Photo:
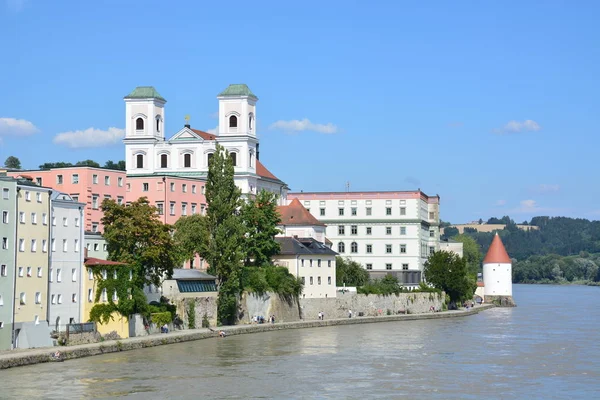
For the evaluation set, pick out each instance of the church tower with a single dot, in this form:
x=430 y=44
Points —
x=144 y=114
x=497 y=275
x=237 y=111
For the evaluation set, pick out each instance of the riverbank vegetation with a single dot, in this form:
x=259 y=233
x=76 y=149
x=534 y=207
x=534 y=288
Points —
x=556 y=250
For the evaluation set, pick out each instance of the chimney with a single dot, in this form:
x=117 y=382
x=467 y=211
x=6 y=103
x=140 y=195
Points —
x=187 y=126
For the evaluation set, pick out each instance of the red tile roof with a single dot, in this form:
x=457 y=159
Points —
x=480 y=284
x=295 y=214
x=90 y=261
x=497 y=253
x=261 y=170
x=204 y=135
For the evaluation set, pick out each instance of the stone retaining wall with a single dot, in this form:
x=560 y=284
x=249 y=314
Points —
x=36 y=356
x=284 y=310
x=371 y=305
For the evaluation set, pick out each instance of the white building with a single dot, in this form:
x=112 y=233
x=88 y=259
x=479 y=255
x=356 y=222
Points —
x=187 y=153
x=452 y=246
x=66 y=261
x=386 y=232
x=304 y=253
x=497 y=274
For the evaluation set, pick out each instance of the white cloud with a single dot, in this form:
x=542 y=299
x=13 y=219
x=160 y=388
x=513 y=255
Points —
x=304 y=125
x=214 y=115
x=500 y=203
x=16 y=127
x=528 y=204
x=517 y=126
x=90 y=137
x=214 y=131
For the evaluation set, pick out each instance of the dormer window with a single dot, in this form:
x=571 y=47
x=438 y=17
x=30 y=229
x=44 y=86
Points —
x=187 y=160
x=139 y=124
x=233 y=121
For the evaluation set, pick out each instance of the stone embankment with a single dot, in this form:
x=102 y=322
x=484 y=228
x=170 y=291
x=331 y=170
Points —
x=18 y=358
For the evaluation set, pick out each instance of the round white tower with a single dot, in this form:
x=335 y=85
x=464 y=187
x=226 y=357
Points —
x=497 y=274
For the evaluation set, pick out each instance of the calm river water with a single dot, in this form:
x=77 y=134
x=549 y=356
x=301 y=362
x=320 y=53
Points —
x=546 y=348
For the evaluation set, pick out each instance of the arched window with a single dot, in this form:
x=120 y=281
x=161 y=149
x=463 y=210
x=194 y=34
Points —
x=251 y=159
x=210 y=157
x=157 y=124
x=164 y=161
x=139 y=161
x=233 y=157
x=139 y=124
x=354 y=247
x=341 y=247
x=250 y=121
x=233 y=121
x=187 y=160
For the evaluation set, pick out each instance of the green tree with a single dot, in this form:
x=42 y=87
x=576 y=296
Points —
x=190 y=232
x=120 y=165
x=87 y=163
x=450 y=231
x=55 y=165
x=260 y=218
x=350 y=273
x=222 y=246
x=12 y=162
x=471 y=253
x=135 y=235
x=448 y=272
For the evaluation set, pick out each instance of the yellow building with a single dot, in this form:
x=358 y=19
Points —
x=32 y=266
x=104 y=276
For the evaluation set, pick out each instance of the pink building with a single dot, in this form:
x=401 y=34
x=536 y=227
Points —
x=84 y=184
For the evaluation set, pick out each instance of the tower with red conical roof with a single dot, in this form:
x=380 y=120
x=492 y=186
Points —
x=497 y=275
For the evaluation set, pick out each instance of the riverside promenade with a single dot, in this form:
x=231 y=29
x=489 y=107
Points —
x=17 y=358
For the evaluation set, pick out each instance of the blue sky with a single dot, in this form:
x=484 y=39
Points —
x=492 y=105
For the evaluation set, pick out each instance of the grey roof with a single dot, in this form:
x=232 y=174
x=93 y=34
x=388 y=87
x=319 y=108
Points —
x=189 y=274
x=293 y=245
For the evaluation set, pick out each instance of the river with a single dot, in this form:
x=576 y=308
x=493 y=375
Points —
x=547 y=348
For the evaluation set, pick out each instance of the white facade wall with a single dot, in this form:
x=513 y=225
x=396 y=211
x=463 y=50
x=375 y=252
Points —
x=307 y=231
x=452 y=247
x=408 y=226
x=65 y=296
x=319 y=281
x=497 y=279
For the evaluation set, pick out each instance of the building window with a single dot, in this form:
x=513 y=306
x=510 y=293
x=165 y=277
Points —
x=172 y=186
x=187 y=160
x=3 y=270
x=369 y=230
x=75 y=178
x=405 y=266
x=76 y=245
x=39 y=272
x=184 y=188
x=194 y=189
x=65 y=221
x=311 y=280
x=74 y=298
x=431 y=233
x=172 y=208
x=139 y=161
x=319 y=263
x=53 y=244
x=388 y=266
x=303 y=280
x=310 y=263
x=33 y=245
x=120 y=182
x=94 y=227
x=21 y=244
x=145 y=187
x=431 y=215
x=369 y=248
x=38 y=298
x=22 y=299
x=369 y=210
x=402 y=210
x=431 y=250
x=27 y=196
x=95 y=179
x=403 y=230
x=353 y=229
x=388 y=230
x=353 y=247
x=90 y=295
x=75 y=197
x=388 y=249
x=233 y=157
x=58 y=275
x=341 y=247
x=250 y=121
x=5 y=193
x=104 y=274
x=161 y=208
x=29 y=272
x=233 y=121
x=329 y=263
x=369 y=266
x=402 y=248
x=22 y=217
x=139 y=124
x=21 y=272
x=341 y=230
x=59 y=299
x=65 y=245
x=341 y=212
x=183 y=208
x=4 y=243
x=114 y=296
x=59 y=179
x=76 y=221
x=388 y=211
x=38 y=197
x=302 y=263
x=322 y=212
x=107 y=180
x=5 y=217
x=209 y=158
x=318 y=280
x=44 y=245
x=95 y=201
x=353 y=211
x=193 y=208
x=90 y=274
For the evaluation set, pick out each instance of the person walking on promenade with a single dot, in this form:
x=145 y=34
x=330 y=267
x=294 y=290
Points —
x=349 y=313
